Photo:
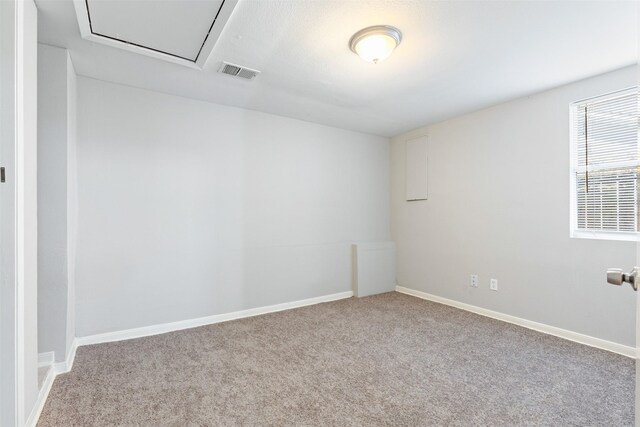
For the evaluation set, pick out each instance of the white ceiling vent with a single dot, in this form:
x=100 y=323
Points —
x=238 y=71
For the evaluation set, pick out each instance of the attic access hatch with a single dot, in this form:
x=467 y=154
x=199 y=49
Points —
x=179 y=31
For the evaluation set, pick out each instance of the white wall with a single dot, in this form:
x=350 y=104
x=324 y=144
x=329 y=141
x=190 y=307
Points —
x=499 y=207
x=56 y=160
x=188 y=209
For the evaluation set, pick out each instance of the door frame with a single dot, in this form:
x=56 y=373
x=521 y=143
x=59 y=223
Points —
x=637 y=388
x=11 y=304
x=18 y=32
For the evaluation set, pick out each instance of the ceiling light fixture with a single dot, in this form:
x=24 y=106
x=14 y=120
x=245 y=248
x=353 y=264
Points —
x=374 y=44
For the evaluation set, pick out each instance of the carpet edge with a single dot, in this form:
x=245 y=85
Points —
x=588 y=340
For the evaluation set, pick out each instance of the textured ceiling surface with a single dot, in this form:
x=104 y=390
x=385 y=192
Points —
x=455 y=56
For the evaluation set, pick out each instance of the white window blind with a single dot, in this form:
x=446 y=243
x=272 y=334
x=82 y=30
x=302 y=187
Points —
x=606 y=163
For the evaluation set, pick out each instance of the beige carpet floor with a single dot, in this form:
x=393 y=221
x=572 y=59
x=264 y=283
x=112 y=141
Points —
x=386 y=360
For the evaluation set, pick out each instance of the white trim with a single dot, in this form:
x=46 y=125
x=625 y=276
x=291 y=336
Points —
x=67 y=365
x=55 y=369
x=83 y=24
x=223 y=16
x=34 y=416
x=574 y=231
x=612 y=94
x=64 y=367
x=212 y=38
x=604 y=235
x=85 y=32
x=202 y=321
x=45 y=359
x=540 y=327
x=19 y=177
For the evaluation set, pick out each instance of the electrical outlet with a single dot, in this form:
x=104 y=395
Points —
x=493 y=285
x=474 y=281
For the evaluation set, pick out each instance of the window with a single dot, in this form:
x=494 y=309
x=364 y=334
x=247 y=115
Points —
x=605 y=166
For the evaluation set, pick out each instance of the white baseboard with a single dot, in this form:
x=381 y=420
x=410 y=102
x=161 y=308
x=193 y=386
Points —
x=45 y=359
x=55 y=369
x=44 y=390
x=202 y=321
x=540 y=327
x=64 y=367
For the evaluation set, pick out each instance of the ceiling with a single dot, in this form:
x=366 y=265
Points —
x=455 y=56
x=121 y=20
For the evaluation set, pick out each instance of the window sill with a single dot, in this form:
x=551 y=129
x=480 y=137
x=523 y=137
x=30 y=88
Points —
x=605 y=235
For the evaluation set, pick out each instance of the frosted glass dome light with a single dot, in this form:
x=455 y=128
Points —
x=374 y=44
